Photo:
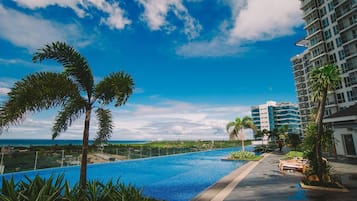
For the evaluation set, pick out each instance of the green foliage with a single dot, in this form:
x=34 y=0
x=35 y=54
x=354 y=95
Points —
x=293 y=154
x=266 y=147
x=294 y=140
x=73 y=90
x=243 y=155
x=105 y=125
x=55 y=189
x=309 y=146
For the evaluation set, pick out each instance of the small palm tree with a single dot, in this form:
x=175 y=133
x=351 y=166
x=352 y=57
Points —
x=235 y=128
x=323 y=80
x=73 y=90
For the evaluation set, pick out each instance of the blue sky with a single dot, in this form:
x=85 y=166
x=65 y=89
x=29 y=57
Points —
x=197 y=64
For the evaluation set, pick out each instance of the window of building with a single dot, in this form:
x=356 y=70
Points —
x=330 y=6
x=347 y=81
x=352 y=19
x=338 y=42
x=340 y=98
x=353 y=77
x=325 y=23
x=345 y=67
x=323 y=11
x=328 y=34
x=341 y=55
x=351 y=96
x=333 y=58
x=335 y=30
x=354 y=34
x=327 y=112
x=311 y=30
x=313 y=41
x=317 y=63
x=330 y=46
x=339 y=85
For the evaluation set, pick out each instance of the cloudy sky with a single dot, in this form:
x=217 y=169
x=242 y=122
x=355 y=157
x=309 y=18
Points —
x=197 y=64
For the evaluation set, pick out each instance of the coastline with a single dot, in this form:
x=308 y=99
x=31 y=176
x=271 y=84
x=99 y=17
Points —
x=49 y=142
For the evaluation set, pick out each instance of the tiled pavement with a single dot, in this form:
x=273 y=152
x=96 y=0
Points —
x=263 y=181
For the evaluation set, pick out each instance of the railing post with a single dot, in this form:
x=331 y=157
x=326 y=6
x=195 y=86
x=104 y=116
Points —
x=35 y=166
x=62 y=158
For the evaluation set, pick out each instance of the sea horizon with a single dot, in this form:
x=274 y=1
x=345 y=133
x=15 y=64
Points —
x=27 y=142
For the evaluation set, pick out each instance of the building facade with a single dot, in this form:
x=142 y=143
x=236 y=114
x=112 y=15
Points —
x=273 y=115
x=344 y=125
x=331 y=37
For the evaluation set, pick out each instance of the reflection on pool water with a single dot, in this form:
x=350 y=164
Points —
x=173 y=178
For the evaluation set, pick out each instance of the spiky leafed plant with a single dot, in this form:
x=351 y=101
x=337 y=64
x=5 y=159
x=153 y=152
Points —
x=73 y=90
x=323 y=80
x=235 y=128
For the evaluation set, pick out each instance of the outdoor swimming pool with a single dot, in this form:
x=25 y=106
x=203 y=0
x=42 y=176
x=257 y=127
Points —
x=173 y=178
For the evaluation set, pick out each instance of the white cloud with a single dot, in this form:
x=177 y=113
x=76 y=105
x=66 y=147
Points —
x=216 y=47
x=34 y=4
x=252 y=20
x=115 y=18
x=156 y=13
x=5 y=85
x=265 y=19
x=33 y=32
x=168 y=120
x=4 y=91
x=20 y=63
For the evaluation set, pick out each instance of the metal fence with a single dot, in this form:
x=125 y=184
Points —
x=14 y=160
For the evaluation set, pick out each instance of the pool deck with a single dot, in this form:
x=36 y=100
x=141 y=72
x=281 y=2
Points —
x=262 y=180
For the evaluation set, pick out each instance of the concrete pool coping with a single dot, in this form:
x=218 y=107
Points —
x=225 y=185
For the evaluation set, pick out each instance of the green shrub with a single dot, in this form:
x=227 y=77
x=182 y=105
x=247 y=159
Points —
x=243 y=155
x=293 y=154
x=41 y=189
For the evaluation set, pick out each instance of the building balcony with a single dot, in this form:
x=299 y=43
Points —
x=317 y=44
x=338 y=3
x=351 y=55
x=313 y=34
x=298 y=67
x=345 y=27
x=306 y=3
x=346 y=8
x=308 y=11
x=322 y=54
x=348 y=40
x=309 y=24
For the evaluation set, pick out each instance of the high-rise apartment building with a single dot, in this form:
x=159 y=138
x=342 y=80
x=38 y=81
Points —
x=274 y=115
x=331 y=28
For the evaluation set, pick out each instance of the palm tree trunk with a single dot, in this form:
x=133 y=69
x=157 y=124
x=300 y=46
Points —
x=83 y=174
x=319 y=117
x=242 y=139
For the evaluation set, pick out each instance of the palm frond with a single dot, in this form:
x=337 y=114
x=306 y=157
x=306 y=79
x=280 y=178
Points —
x=229 y=125
x=72 y=110
x=105 y=125
x=322 y=79
x=117 y=86
x=34 y=93
x=74 y=64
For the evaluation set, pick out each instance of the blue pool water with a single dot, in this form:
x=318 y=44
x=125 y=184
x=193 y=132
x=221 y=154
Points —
x=173 y=178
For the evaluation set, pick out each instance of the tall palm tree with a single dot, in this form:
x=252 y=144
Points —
x=235 y=128
x=323 y=80
x=73 y=90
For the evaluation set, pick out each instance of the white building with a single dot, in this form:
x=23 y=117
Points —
x=274 y=115
x=344 y=124
x=331 y=37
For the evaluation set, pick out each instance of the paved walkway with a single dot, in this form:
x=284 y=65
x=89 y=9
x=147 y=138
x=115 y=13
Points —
x=263 y=181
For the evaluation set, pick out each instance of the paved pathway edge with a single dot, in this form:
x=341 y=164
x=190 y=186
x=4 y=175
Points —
x=222 y=188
